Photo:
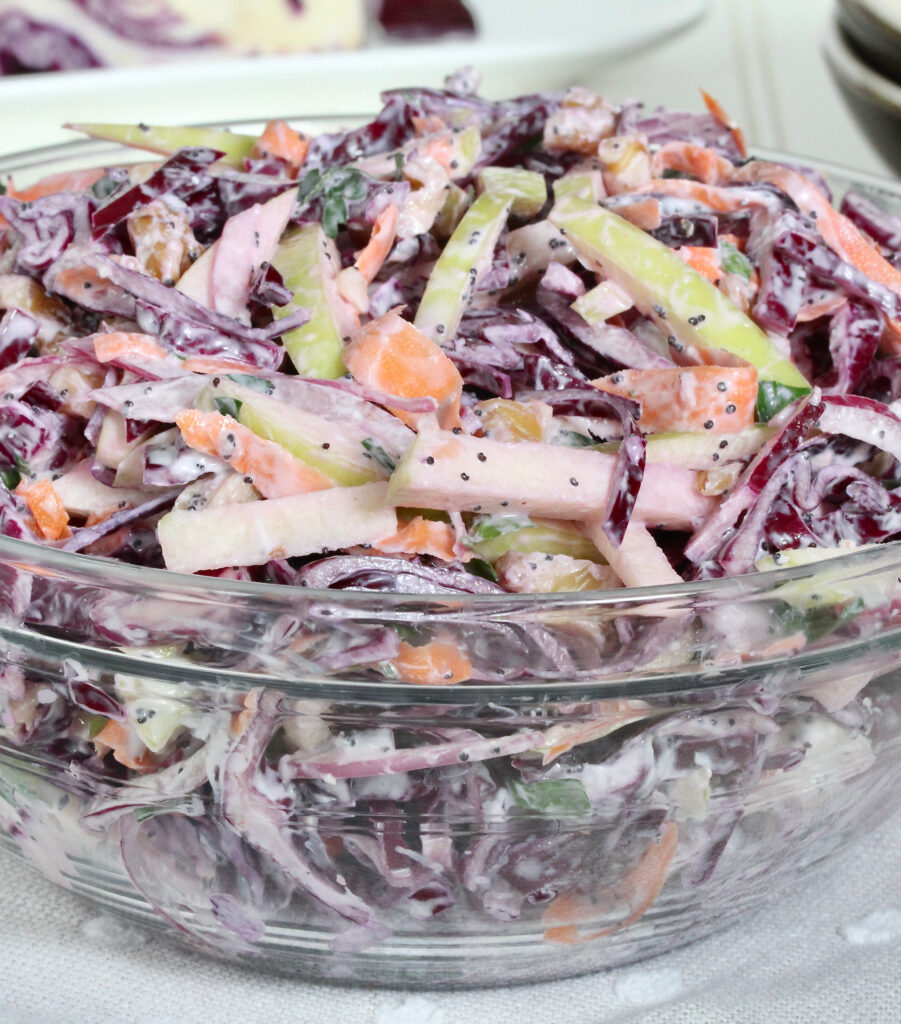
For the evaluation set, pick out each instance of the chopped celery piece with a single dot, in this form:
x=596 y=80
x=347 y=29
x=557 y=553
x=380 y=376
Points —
x=166 y=140
x=527 y=188
x=309 y=263
x=455 y=275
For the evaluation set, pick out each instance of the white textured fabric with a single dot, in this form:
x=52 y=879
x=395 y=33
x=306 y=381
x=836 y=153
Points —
x=830 y=951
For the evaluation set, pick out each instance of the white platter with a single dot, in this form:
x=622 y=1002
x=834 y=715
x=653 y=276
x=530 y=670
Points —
x=522 y=46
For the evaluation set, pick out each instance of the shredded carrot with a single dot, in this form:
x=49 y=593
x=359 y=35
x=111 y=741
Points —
x=705 y=259
x=108 y=347
x=65 y=181
x=638 y=889
x=615 y=713
x=701 y=161
x=723 y=118
x=127 y=749
x=644 y=213
x=215 y=364
x=47 y=508
x=274 y=472
x=436 y=663
x=421 y=536
x=392 y=355
x=700 y=398
x=280 y=140
x=370 y=258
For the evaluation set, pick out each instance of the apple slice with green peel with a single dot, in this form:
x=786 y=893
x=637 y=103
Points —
x=528 y=188
x=167 y=140
x=456 y=273
x=690 y=310
x=255 y=532
x=700 y=450
x=309 y=263
x=342 y=451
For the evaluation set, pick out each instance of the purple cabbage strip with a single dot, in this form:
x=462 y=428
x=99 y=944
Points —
x=376 y=572
x=84 y=535
x=883 y=227
x=617 y=344
x=31 y=438
x=798 y=421
x=854 y=333
x=182 y=175
x=263 y=822
x=18 y=331
x=188 y=320
x=48 y=226
x=661 y=126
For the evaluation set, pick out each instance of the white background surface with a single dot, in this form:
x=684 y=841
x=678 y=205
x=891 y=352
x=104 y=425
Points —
x=829 y=952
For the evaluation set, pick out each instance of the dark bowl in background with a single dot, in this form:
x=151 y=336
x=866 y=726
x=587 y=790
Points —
x=873 y=99
x=875 y=34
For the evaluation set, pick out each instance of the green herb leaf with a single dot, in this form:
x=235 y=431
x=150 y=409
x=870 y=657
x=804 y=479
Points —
x=248 y=380
x=2 y=189
x=398 y=166
x=479 y=567
x=374 y=449
x=104 y=187
x=310 y=186
x=22 y=466
x=672 y=172
x=560 y=797
x=575 y=439
x=735 y=262
x=773 y=397
x=10 y=478
x=227 y=406
x=489 y=527
x=334 y=214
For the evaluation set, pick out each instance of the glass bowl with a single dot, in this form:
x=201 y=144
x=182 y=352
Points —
x=623 y=772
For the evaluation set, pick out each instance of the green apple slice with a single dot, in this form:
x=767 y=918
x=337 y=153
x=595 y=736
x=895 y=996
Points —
x=456 y=273
x=309 y=262
x=167 y=140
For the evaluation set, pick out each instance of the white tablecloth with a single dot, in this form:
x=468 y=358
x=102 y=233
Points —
x=828 y=953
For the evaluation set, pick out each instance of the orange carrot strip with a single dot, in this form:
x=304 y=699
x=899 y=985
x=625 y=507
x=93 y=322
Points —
x=436 y=663
x=392 y=355
x=65 y=181
x=723 y=118
x=638 y=889
x=280 y=140
x=45 y=504
x=701 y=161
x=108 y=347
x=688 y=397
x=370 y=258
x=274 y=471
x=645 y=213
x=615 y=713
x=127 y=749
x=215 y=364
x=421 y=536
